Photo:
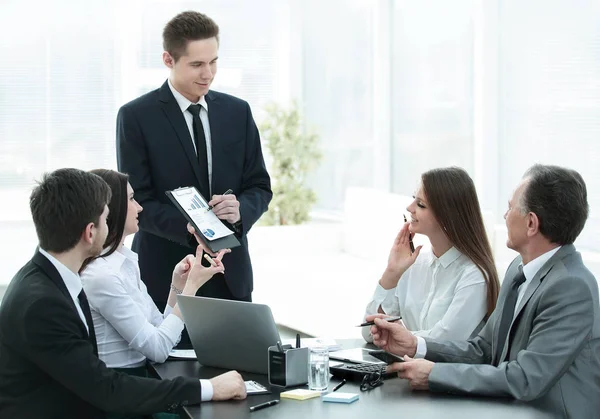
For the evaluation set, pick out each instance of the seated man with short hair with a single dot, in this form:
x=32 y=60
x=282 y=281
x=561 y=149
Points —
x=49 y=365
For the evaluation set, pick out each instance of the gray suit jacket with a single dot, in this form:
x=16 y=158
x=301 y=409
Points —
x=554 y=354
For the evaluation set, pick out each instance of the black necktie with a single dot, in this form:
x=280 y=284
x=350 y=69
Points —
x=508 y=311
x=200 y=141
x=87 y=313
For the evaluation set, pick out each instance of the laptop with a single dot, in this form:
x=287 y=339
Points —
x=229 y=334
x=356 y=355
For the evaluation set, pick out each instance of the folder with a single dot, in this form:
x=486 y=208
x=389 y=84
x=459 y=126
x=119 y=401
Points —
x=210 y=229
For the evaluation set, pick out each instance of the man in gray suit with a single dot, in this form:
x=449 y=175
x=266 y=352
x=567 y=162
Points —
x=542 y=343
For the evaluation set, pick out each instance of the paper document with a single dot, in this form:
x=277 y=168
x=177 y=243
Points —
x=331 y=344
x=196 y=207
x=183 y=353
x=252 y=387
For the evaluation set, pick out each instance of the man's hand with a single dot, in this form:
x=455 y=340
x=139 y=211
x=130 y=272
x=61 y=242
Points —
x=393 y=337
x=416 y=371
x=226 y=207
x=228 y=386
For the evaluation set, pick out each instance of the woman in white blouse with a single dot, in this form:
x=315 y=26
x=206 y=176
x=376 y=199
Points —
x=449 y=291
x=129 y=327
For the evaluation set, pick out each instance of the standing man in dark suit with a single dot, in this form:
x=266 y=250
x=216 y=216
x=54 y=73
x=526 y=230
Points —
x=49 y=365
x=542 y=342
x=184 y=134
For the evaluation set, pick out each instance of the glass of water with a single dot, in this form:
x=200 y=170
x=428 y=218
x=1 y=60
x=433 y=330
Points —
x=318 y=368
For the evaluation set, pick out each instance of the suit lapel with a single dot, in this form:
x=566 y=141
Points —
x=176 y=119
x=214 y=110
x=51 y=272
x=531 y=289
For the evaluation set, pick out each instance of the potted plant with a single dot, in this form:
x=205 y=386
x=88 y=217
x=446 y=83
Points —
x=293 y=153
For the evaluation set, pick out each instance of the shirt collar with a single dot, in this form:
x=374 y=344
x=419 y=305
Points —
x=71 y=279
x=183 y=102
x=447 y=258
x=118 y=257
x=532 y=268
x=128 y=253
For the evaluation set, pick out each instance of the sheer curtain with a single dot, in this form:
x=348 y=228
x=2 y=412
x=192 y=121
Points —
x=549 y=94
x=69 y=66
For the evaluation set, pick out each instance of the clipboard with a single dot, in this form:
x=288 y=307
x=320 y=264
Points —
x=193 y=207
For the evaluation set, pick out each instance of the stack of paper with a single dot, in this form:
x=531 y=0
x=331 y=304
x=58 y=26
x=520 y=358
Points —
x=252 y=387
x=299 y=394
x=330 y=343
x=182 y=353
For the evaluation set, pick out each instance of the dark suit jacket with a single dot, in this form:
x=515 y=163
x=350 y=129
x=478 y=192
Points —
x=48 y=368
x=155 y=148
x=552 y=356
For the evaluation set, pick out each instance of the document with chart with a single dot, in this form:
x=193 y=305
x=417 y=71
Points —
x=194 y=207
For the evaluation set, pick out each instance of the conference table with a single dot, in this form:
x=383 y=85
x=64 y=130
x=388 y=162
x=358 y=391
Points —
x=393 y=399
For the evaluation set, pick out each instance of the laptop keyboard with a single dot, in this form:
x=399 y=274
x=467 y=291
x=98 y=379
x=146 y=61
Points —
x=356 y=372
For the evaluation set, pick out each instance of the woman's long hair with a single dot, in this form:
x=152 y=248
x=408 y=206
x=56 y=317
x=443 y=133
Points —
x=453 y=199
x=117 y=211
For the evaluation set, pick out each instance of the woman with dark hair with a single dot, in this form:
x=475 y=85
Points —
x=129 y=327
x=448 y=292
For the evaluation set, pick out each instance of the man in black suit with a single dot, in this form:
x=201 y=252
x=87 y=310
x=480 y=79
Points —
x=49 y=365
x=184 y=134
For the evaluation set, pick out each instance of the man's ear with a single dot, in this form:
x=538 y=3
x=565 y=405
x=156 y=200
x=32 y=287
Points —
x=533 y=224
x=88 y=234
x=168 y=60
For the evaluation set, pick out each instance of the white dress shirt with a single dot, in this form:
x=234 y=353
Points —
x=183 y=105
x=444 y=298
x=129 y=326
x=529 y=270
x=72 y=282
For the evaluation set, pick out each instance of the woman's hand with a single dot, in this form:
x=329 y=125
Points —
x=200 y=242
x=181 y=271
x=199 y=275
x=400 y=259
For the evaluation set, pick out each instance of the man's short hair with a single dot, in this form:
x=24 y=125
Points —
x=558 y=196
x=185 y=27
x=63 y=204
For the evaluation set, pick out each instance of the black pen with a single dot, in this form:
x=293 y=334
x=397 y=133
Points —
x=372 y=322
x=227 y=192
x=336 y=388
x=279 y=346
x=297 y=340
x=263 y=405
x=412 y=246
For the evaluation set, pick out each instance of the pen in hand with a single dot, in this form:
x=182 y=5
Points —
x=412 y=246
x=387 y=319
x=209 y=259
x=227 y=192
x=336 y=388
